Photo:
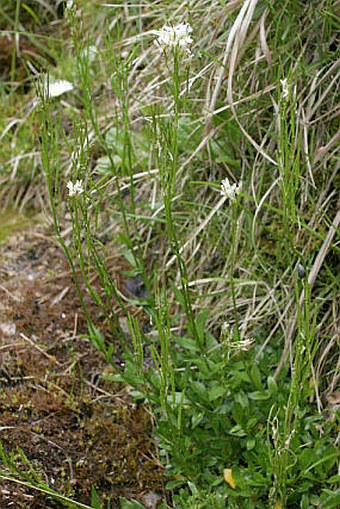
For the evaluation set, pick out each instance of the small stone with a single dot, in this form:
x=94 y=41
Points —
x=151 y=500
x=8 y=329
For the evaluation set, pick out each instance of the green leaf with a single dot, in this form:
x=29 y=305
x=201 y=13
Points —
x=259 y=395
x=252 y=422
x=330 y=499
x=130 y=257
x=334 y=479
x=238 y=431
x=202 y=367
x=104 y=163
x=95 y=502
x=130 y=504
x=272 y=385
x=225 y=158
x=256 y=479
x=242 y=399
x=196 y=419
x=240 y=376
x=96 y=337
x=238 y=414
x=200 y=324
x=126 y=240
x=304 y=504
x=170 y=485
x=114 y=378
x=251 y=444
x=329 y=457
x=114 y=139
x=255 y=376
x=178 y=294
x=210 y=340
x=200 y=391
x=187 y=343
x=217 y=392
x=31 y=13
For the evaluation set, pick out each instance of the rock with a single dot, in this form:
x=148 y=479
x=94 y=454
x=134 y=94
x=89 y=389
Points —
x=8 y=329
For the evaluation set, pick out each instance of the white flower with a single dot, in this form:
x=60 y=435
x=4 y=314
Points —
x=230 y=190
x=75 y=189
x=244 y=345
x=284 y=89
x=177 y=37
x=56 y=88
x=69 y=4
x=288 y=440
x=225 y=328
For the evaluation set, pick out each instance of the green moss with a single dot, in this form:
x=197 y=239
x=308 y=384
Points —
x=11 y=221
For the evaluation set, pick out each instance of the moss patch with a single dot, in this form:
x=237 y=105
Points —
x=75 y=429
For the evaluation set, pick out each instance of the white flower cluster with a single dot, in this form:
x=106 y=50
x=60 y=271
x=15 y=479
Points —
x=240 y=345
x=75 y=189
x=55 y=88
x=174 y=37
x=230 y=190
x=284 y=89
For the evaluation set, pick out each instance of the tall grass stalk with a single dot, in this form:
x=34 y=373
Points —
x=166 y=141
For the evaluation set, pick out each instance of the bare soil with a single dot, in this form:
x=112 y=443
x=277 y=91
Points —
x=74 y=428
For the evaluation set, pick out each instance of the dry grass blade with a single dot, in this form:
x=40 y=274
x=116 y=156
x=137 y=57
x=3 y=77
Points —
x=263 y=40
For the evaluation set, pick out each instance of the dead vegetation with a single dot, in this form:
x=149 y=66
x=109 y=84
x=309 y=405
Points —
x=74 y=429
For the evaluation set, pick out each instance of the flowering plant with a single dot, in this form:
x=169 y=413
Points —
x=75 y=189
x=230 y=190
x=174 y=37
x=55 y=88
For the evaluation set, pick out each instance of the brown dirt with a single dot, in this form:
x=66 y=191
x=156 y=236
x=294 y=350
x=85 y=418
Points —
x=75 y=429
